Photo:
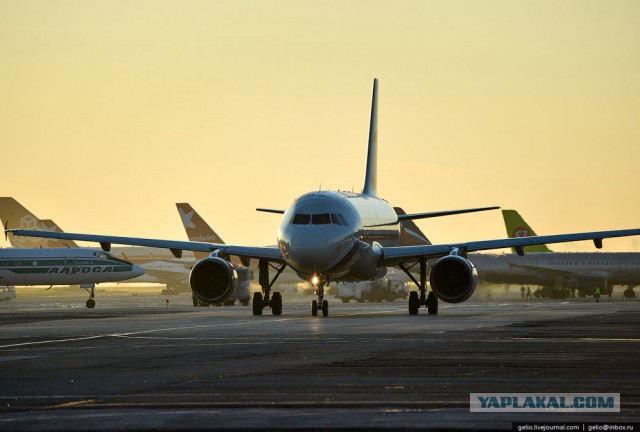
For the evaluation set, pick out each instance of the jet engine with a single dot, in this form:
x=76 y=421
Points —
x=213 y=280
x=453 y=278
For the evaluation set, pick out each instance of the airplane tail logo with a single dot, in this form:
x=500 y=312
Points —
x=196 y=227
x=16 y=216
x=517 y=227
x=521 y=232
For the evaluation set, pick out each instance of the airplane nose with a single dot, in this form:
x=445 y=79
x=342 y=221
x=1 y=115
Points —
x=314 y=254
x=136 y=271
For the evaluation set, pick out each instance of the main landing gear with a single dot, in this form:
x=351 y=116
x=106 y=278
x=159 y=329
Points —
x=264 y=299
x=321 y=303
x=420 y=297
x=91 y=303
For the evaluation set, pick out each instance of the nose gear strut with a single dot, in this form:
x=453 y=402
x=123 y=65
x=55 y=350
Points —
x=321 y=302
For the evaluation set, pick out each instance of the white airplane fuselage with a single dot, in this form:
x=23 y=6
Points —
x=62 y=266
x=336 y=235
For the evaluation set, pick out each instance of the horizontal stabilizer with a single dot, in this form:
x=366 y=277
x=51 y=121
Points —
x=443 y=213
x=270 y=210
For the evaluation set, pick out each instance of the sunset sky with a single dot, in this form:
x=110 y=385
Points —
x=112 y=111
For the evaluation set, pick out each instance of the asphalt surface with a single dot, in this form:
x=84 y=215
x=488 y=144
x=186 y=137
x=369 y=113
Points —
x=136 y=363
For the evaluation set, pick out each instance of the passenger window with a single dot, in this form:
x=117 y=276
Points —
x=301 y=219
x=321 y=219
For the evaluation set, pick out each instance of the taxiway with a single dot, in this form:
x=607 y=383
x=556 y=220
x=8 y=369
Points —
x=137 y=363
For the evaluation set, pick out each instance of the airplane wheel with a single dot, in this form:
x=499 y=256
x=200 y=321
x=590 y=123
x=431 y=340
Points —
x=276 y=303
x=414 y=303
x=258 y=303
x=314 y=308
x=325 y=308
x=91 y=303
x=432 y=303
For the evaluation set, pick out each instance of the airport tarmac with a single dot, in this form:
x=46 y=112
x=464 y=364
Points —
x=136 y=363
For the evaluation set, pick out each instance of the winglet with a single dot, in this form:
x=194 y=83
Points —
x=371 y=176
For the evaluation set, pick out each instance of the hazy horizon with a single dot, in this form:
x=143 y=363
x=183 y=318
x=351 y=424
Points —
x=113 y=112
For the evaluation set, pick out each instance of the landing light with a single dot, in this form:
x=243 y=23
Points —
x=314 y=280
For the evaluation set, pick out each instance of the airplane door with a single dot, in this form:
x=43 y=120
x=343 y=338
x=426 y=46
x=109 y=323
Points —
x=623 y=266
x=70 y=263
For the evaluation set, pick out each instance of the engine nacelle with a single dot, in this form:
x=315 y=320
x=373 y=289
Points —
x=213 y=280
x=453 y=278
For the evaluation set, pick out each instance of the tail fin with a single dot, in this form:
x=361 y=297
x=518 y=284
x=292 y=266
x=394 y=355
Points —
x=410 y=234
x=517 y=227
x=197 y=229
x=49 y=225
x=15 y=215
x=371 y=175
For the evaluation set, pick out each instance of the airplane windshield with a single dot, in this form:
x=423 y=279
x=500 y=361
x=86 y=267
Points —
x=110 y=257
x=301 y=219
x=319 y=219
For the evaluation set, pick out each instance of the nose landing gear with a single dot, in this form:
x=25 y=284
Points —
x=91 y=303
x=321 y=303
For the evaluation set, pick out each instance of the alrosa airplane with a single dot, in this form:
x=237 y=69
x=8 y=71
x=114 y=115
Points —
x=340 y=236
x=63 y=266
x=159 y=266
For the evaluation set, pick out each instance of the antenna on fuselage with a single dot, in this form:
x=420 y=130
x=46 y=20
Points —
x=371 y=177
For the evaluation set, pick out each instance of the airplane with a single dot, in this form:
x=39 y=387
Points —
x=159 y=266
x=559 y=272
x=63 y=266
x=332 y=236
x=198 y=229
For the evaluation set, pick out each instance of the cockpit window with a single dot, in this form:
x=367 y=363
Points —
x=301 y=219
x=338 y=219
x=110 y=257
x=320 y=219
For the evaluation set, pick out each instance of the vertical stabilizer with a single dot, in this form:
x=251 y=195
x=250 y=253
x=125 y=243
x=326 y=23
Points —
x=49 y=225
x=410 y=234
x=199 y=230
x=15 y=215
x=196 y=227
x=517 y=227
x=371 y=175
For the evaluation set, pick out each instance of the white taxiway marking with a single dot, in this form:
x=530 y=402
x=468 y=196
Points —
x=142 y=332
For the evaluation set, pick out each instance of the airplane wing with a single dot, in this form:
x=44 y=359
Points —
x=396 y=255
x=176 y=246
x=389 y=255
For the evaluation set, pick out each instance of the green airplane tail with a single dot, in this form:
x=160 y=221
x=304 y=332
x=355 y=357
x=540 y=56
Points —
x=517 y=227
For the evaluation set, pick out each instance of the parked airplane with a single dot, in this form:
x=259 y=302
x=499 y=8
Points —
x=559 y=272
x=159 y=266
x=63 y=266
x=340 y=236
